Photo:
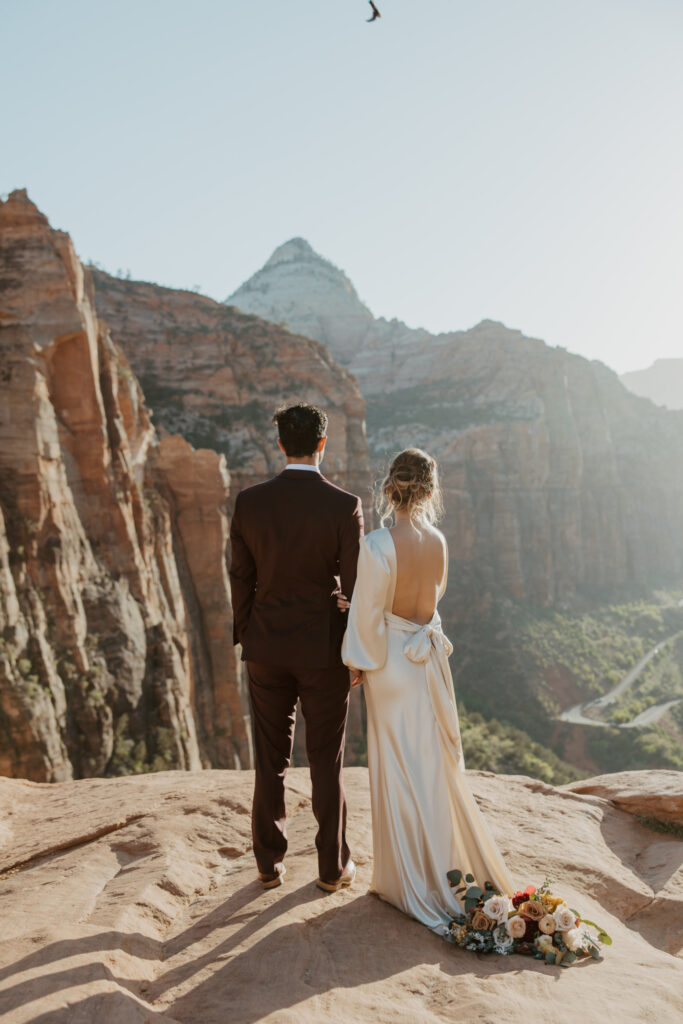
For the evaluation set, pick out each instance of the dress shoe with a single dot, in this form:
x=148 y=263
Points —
x=277 y=878
x=343 y=882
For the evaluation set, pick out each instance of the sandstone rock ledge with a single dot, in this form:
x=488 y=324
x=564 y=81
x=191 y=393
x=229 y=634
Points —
x=134 y=899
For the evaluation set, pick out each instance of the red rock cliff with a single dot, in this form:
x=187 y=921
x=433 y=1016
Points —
x=216 y=375
x=111 y=615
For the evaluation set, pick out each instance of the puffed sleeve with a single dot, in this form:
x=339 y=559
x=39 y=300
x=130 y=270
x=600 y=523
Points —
x=365 y=643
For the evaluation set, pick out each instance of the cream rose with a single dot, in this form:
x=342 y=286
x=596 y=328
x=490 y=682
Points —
x=564 y=918
x=516 y=927
x=547 y=924
x=533 y=909
x=497 y=907
x=573 y=939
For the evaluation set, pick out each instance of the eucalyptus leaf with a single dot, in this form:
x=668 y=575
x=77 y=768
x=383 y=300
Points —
x=474 y=892
x=603 y=936
x=454 y=877
x=469 y=878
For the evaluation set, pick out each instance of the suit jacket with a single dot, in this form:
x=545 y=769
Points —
x=294 y=540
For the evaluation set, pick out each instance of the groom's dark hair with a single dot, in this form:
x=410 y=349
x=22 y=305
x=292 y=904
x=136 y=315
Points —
x=301 y=427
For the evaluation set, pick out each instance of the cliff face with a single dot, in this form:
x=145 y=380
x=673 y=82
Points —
x=110 y=655
x=216 y=376
x=557 y=480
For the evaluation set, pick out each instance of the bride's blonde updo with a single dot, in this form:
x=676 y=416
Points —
x=412 y=483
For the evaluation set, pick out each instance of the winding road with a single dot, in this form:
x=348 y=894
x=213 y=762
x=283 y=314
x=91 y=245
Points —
x=576 y=714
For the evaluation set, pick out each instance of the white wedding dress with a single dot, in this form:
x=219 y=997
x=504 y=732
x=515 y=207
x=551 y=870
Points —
x=425 y=820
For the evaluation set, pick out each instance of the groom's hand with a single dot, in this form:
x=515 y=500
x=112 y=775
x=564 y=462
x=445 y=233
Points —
x=343 y=603
x=356 y=676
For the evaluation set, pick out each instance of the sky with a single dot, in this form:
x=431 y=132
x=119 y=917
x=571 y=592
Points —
x=518 y=160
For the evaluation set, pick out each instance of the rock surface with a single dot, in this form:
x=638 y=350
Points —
x=110 y=603
x=135 y=900
x=631 y=792
x=662 y=382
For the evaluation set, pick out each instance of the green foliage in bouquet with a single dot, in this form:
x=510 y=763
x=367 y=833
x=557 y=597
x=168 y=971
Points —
x=532 y=921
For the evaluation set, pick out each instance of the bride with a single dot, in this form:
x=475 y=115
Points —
x=424 y=817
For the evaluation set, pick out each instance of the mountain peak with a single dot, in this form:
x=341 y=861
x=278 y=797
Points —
x=294 y=250
x=299 y=288
x=20 y=201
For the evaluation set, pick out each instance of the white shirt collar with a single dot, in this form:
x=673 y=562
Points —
x=302 y=465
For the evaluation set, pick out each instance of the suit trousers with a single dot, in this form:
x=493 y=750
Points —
x=324 y=695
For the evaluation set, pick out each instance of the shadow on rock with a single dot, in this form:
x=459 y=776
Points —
x=358 y=943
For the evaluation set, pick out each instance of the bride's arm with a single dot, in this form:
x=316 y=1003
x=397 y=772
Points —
x=364 y=647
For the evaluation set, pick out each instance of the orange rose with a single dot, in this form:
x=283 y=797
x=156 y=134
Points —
x=482 y=922
x=533 y=909
x=547 y=924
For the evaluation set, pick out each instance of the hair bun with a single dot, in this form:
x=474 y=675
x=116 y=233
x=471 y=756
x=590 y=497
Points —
x=412 y=483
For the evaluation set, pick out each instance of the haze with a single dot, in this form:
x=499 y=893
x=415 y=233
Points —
x=519 y=161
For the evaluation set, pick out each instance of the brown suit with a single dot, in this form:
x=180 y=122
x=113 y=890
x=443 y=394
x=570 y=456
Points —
x=294 y=540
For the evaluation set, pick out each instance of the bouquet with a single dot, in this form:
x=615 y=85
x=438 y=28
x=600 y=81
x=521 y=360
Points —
x=533 y=922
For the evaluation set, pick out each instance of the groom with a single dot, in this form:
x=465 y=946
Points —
x=294 y=542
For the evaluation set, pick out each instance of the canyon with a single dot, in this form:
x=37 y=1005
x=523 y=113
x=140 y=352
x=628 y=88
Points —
x=557 y=480
x=133 y=413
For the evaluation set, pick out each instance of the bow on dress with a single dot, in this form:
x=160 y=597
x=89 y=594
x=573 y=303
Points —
x=428 y=644
x=418 y=647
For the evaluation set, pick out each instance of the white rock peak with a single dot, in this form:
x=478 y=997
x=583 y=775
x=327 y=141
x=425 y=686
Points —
x=306 y=293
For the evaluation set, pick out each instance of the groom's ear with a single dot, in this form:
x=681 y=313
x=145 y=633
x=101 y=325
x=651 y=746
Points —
x=281 y=446
x=321 y=444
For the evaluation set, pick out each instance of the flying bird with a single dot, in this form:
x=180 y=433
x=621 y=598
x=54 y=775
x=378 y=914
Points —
x=375 y=12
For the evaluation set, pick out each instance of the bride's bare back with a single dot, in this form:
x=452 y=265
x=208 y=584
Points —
x=421 y=569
